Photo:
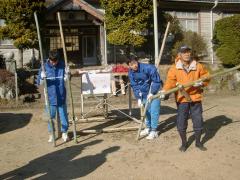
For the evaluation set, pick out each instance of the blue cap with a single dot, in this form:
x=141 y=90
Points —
x=184 y=48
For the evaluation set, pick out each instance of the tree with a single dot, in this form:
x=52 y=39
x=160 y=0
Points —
x=227 y=40
x=130 y=23
x=19 y=22
x=126 y=21
x=192 y=39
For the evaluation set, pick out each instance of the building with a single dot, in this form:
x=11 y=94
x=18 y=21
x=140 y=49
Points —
x=200 y=15
x=85 y=36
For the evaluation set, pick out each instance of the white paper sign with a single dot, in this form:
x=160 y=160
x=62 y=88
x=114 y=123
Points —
x=96 y=83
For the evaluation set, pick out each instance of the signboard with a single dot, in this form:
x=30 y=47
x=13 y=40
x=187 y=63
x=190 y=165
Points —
x=96 y=83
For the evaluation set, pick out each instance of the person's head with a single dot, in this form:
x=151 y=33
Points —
x=133 y=63
x=185 y=53
x=53 y=57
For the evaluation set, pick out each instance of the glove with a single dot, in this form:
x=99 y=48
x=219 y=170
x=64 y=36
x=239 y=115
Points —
x=43 y=75
x=140 y=103
x=67 y=70
x=149 y=96
x=65 y=77
x=198 y=84
x=179 y=85
x=162 y=95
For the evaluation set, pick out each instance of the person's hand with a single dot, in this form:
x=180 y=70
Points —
x=67 y=70
x=179 y=85
x=198 y=84
x=140 y=104
x=162 y=95
x=149 y=96
x=43 y=75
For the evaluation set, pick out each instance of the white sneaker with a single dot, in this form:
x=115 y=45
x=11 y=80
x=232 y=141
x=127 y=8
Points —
x=145 y=132
x=152 y=135
x=50 y=138
x=65 y=137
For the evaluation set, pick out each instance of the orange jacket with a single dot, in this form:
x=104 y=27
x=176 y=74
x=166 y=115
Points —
x=177 y=74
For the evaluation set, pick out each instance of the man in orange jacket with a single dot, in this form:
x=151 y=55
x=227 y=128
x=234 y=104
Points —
x=185 y=70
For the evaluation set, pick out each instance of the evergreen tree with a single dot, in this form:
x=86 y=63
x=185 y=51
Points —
x=19 y=22
x=126 y=20
x=227 y=40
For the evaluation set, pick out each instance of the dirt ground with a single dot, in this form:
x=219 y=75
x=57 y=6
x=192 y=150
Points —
x=26 y=154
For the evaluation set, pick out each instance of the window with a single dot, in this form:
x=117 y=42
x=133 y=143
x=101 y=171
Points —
x=5 y=41
x=71 y=41
x=188 y=20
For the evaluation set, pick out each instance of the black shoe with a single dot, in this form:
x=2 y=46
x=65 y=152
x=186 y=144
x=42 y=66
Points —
x=183 y=148
x=201 y=147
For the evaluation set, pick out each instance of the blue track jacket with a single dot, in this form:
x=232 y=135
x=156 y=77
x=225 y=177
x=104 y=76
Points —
x=144 y=79
x=55 y=82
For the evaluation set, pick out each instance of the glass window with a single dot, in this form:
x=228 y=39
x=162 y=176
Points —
x=188 y=20
x=71 y=41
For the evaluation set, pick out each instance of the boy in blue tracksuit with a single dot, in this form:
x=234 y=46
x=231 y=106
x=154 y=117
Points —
x=145 y=82
x=56 y=74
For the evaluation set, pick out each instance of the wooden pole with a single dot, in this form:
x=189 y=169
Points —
x=44 y=79
x=157 y=63
x=96 y=131
x=68 y=79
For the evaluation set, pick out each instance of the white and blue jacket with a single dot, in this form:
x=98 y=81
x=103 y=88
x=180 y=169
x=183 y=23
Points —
x=55 y=82
x=144 y=79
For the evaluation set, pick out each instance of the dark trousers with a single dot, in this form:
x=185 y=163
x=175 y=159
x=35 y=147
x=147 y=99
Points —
x=187 y=110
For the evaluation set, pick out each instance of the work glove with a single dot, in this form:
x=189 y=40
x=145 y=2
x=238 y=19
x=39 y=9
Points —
x=67 y=70
x=178 y=84
x=149 y=96
x=140 y=104
x=67 y=73
x=198 y=84
x=43 y=75
x=162 y=95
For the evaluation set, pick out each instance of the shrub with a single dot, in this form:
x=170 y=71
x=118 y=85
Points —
x=227 y=40
x=194 y=40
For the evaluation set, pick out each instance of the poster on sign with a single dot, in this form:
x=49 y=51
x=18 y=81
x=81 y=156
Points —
x=99 y=83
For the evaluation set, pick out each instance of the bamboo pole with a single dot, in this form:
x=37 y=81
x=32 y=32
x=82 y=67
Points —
x=178 y=88
x=162 y=46
x=68 y=79
x=107 y=130
x=44 y=79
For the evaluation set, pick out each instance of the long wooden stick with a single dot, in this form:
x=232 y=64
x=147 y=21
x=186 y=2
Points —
x=178 y=88
x=95 y=131
x=162 y=46
x=68 y=79
x=44 y=79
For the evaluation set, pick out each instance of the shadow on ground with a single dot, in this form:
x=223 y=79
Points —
x=62 y=164
x=211 y=127
x=11 y=121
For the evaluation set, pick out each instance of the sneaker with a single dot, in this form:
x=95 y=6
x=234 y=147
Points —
x=65 y=137
x=152 y=135
x=114 y=93
x=50 y=138
x=145 y=132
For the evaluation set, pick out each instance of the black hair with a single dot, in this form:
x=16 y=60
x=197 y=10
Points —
x=53 y=55
x=132 y=58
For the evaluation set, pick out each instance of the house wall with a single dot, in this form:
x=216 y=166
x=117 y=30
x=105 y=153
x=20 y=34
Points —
x=28 y=55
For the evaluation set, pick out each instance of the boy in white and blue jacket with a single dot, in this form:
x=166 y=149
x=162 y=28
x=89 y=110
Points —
x=145 y=82
x=56 y=74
